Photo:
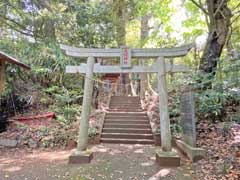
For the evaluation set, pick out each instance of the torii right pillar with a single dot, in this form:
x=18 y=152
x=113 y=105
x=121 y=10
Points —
x=165 y=156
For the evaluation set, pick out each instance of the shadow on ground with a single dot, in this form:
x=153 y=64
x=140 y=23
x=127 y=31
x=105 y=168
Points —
x=111 y=162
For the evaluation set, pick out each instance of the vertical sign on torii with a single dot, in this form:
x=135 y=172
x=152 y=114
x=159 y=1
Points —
x=125 y=59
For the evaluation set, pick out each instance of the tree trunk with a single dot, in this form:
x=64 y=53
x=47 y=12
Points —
x=219 y=25
x=119 y=9
x=120 y=23
x=144 y=35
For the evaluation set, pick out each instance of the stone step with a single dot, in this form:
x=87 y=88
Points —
x=125 y=102
x=126 y=136
x=125 y=105
x=137 y=126
x=125 y=110
x=129 y=114
x=127 y=130
x=127 y=97
x=128 y=106
x=126 y=121
x=127 y=118
x=119 y=101
x=127 y=141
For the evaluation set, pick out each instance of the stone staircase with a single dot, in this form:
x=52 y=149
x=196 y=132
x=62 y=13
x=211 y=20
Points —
x=126 y=122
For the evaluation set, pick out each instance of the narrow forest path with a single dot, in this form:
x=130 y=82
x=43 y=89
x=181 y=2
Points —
x=111 y=162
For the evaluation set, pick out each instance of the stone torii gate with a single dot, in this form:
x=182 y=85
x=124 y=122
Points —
x=81 y=155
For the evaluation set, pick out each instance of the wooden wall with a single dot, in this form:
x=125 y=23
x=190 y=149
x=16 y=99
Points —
x=2 y=74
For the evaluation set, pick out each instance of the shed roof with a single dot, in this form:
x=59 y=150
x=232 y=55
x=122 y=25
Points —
x=12 y=60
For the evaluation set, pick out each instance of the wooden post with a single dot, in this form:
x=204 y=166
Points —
x=86 y=106
x=2 y=75
x=163 y=107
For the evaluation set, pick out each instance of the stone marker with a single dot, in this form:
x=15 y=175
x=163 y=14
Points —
x=188 y=120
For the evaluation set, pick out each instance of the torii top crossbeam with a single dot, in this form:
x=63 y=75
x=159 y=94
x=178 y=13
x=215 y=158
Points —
x=137 y=53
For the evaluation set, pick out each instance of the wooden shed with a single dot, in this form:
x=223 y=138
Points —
x=4 y=58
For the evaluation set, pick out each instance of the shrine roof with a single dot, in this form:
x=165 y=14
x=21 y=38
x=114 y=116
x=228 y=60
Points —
x=12 y=60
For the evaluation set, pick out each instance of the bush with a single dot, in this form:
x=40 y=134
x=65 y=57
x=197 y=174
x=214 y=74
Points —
x=66 y=114
x=211 y=104
x=92 y=131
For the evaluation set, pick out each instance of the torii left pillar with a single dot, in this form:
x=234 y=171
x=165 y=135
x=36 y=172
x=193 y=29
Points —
x=81 y=154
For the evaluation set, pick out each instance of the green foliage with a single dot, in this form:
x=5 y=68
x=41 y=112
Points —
x=66 y=106
x=212 y=100
x=70 y=112
x=66 y=114
x=211 y=104
x=213 y=93
x=235 y=118
x=63 y=99
x=53 y=90
x=92 y=131
x=176 y=129
x=95 y=26
x=175 y=105
x=226 y=127
x=195 y=23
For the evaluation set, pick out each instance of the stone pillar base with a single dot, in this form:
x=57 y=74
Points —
x=80 y=157
x=167 y=158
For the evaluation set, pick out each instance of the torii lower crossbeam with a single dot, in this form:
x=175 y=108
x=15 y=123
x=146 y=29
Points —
x=117 y=69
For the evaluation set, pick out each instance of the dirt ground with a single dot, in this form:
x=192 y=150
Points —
x=111 y=162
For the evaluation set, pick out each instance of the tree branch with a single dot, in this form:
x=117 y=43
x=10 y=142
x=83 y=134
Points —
x=18 y=30
x=21 y=14
x=21 y=29
x=228 y=41
x=237 y=6
x=207 y=21
x=219 y=7
x=18 y=24
x=235 y=28
x=200 y=6
x=236 y=18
